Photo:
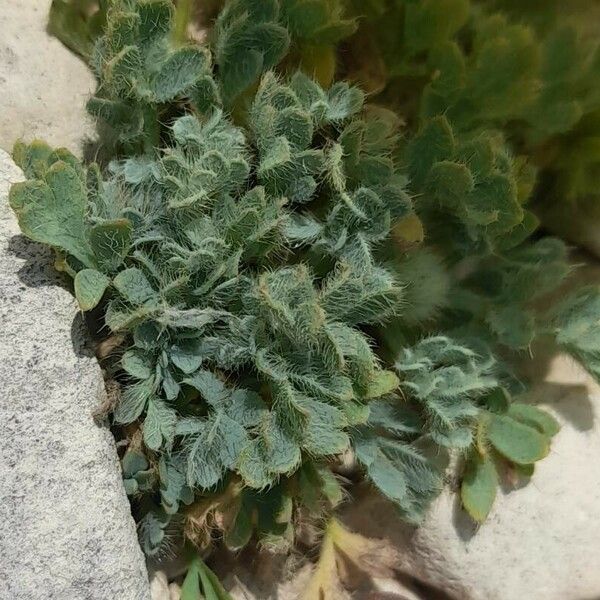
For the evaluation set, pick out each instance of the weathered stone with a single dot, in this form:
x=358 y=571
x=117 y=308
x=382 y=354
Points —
x=541 y=541
x=159 y=586
x=43 y=86
x=174 y=591
x=66 y=531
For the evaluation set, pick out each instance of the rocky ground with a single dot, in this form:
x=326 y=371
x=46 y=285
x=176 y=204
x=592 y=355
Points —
x=66 y=529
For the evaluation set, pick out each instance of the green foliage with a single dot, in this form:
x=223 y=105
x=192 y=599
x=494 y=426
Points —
x=77 y=23
x=249 y=41
x=575 y=324
x=478 y=489
x=201 y=583
x=140 y=69
x=202 y=258
x=445 y=378
x=281 y=303
x=528 y=69
x=147 y=71
x=510 y=437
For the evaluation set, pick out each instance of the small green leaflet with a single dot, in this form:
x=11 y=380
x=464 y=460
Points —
x=479 y=484
x=201 y=583
x=519 y=443
x=90 y=286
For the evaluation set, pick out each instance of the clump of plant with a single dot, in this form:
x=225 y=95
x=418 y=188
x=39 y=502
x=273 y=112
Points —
x=526 y=69
x=293 y=283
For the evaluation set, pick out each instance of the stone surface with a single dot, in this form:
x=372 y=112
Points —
x=174 y=591
x=159 y=586
x=43 y=86
x=66 y=531
x=540 y=542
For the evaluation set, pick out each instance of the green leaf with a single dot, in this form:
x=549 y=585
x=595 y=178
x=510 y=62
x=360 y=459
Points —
x=133 y=462
x=324 y=429
x=514 y=440
x=534 y=417
x=110 y=242
x=133 y=401
x=137 y=364
x=430 y=22
x=479 y=484
x=247 y=408
x=433 y=143
x=240 y=532
x=514 y=326
x=90 y=286
x=213 y=390
x=155 y=20
x=343 y=102
x=179 y=73
x=72 y=24
x=382 y=383
x=399 y=471
x=159 y=425
x=190 y=589
x=53 y=211
x=186 y=355
x=450 y=183
x=576 y=321
x=34 y=158
x=211 y=587
x=397 y=419
x=205 y=468
x=118 y=319
x=134 y=286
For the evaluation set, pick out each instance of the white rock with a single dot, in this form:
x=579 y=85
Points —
x=66 y=531
x=159 y=586
x=540 y=542
x=43 y=86
x=394 y=589
x=174 y=591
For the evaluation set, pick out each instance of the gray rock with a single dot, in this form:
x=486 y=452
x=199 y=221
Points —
x=66 y=531
x=541 y=541
x=43 y=86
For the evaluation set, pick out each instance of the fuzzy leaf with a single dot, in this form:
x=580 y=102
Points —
x=52 y=211
x=110 y=241
x=90 y=286
x=133 y=401
x=534 y=417
x=179 y=73
x=134 y=287
x=383 y=383
x=517 y=442
x=137 y=364
x=478 y=488
x=159 y=425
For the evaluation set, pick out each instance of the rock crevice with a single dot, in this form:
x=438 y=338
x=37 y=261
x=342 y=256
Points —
x=66 y=530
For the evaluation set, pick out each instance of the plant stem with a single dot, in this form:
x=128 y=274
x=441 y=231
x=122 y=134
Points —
x=151 y=129
x=183 y=13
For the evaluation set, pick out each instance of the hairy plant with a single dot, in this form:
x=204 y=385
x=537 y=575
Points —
x=78 y=23
x=295 y=281
x=525 y=69
x=199 y=254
